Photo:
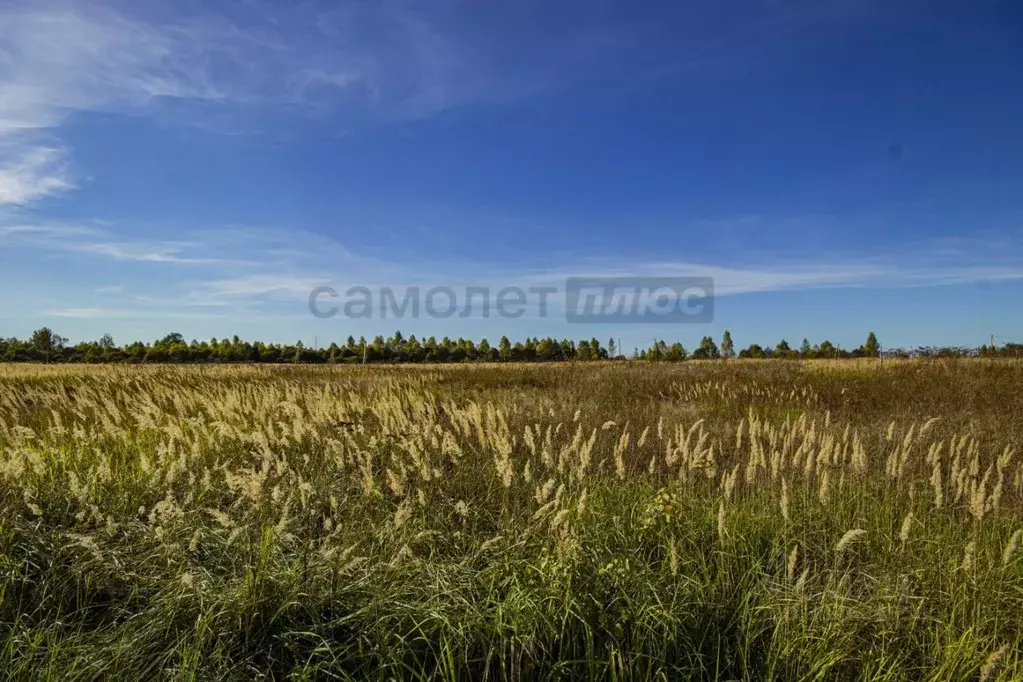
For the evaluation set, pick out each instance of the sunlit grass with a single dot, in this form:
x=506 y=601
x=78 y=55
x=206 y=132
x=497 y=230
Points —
x=712 y=520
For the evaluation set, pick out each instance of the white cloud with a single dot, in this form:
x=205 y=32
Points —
x=28 y=173
x=84 y=313
x=45 y=230
x=60 y=58
x=54 y=62
x=283 y=286
x=142 y=251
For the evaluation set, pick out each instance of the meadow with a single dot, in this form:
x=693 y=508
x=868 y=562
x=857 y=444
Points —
x=754 y=520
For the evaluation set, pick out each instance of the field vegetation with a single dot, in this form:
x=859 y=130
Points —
x=772 y=520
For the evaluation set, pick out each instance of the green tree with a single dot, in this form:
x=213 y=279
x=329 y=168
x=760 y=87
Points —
x=755 y=351
x=676 y=353
x=46 y=340
x=171 y=339
x=871 y=348
x=727 y=347
x=504 y=350
x=483 y=347
x=707 y=350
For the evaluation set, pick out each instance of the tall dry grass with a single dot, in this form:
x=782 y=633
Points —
x=699 y=521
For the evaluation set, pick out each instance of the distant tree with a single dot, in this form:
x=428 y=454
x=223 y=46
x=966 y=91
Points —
x=611 y=349
x=782 y=350
x=727 y=348
x=106 y=342
x=413 y=350
x=545 y=350
x=484 y=350
x=46 y=340
x=504 y=349
x=804 y=349
x=755 y=351
x=676 y=353
x=871 y=348
x=171 y=339
x=707 y=349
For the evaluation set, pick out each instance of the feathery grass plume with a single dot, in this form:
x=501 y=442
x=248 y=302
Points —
x=801 y=583
x=860 y=461
x=995 y=499
x=790 y=567
x=969 y=556
x=849 y=538
x=907 y=528
x=722 y=531
x=784 y=502
x=491 y=543
x=978 y=497
x=401 y=515
x=927 y=425
x=730 y=483
x=993 y=664
x=937 y=485
x=619 y=453
x=1011 y=548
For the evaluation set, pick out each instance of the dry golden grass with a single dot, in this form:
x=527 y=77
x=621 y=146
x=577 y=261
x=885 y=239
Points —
x=768 y=520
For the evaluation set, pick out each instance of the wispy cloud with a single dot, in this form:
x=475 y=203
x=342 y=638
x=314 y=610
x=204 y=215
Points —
x=368 y=59
x=85 y=313
x=233 y=289
x=144 y=252
x=61 y=59
x=17 y=230
x=29 y=172
x=107 y=243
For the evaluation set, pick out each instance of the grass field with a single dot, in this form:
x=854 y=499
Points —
x=773 y=520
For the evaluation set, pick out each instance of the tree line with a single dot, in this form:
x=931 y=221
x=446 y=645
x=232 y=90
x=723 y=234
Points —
x=47 y=346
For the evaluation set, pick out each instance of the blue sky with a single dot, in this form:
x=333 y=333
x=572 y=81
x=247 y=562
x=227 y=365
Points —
x=200 y=167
